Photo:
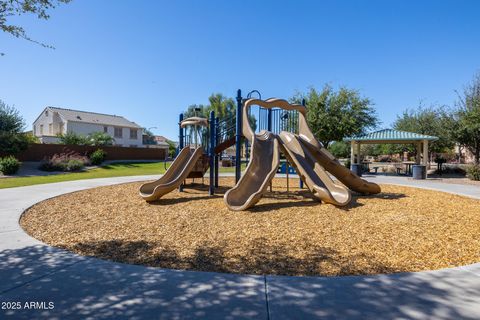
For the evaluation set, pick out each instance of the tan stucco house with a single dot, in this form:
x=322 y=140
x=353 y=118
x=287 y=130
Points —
x=53 y=121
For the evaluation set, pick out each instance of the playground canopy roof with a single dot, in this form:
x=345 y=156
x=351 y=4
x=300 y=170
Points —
x=391 y=136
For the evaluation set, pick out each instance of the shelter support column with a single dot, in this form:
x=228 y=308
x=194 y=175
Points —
x=358 y=153
x=418 y=159
x=355 y=166
x=425 y=153
x=352 y=152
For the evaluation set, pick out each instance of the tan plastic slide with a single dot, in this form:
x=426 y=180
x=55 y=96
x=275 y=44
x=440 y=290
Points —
x=312 y=173
x=175 y=175
x=304 y=152
x=342 y=173
x=265 y=158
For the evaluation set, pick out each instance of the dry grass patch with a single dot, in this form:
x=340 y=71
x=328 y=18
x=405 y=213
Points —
x=401 y=229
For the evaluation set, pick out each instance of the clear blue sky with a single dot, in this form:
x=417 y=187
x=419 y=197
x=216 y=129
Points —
x=149 y=60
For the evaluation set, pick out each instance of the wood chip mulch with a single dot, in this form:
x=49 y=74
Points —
x=401 y=229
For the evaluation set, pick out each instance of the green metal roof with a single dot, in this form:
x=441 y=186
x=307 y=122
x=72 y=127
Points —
x=391 y=135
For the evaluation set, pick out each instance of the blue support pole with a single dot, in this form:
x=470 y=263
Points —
x=211 y=190
x=269 y=120
x=301 y=181
x=180 y=143
x=238 y=137
x=180 y=135
x=217 y=156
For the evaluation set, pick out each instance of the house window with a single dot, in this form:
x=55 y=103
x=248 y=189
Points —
x=41 y=129
x=105 y=129
x=118 y=132
x=34 y=129
x=50 y=129
x=46 y=113
x=133 y=134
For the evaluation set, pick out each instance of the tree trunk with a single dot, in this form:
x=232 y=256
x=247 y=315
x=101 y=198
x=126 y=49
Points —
x=477 y=152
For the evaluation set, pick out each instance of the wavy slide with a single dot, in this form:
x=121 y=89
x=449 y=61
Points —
x=264 y=161
x=342 y=173
x=308 y=156
x=311 y=172
x=175 y=175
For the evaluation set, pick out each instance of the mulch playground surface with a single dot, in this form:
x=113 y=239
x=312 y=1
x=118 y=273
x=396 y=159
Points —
x=401 y=229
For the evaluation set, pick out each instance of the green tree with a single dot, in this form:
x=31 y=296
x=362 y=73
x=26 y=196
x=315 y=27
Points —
x=373 y=149
x=100 y=139
x=196 y=110
x=92 y=139
x=10 y=119
x=340 y=149
x=172 y=149
x=333 y=115
x=433 y=121
x=224 y=108
x=467 y=131
x=148 y=137
x=12 y=140
x=72 y=138
x=12 y=8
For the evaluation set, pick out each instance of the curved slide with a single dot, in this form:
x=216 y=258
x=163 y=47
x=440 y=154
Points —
x=342 y=173
x=175 y=175
x=264 y=161
x=304 y=151
x=306 y=137
x=311 y=172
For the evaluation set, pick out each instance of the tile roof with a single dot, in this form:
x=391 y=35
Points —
x=93 y=117
x=391 y=135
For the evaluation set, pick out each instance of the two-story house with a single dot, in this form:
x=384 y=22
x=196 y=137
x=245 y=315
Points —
x=53 y=121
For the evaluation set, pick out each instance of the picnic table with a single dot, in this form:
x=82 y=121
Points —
x=408 y=167
x=366 y=165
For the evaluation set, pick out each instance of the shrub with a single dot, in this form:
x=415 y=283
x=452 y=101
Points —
x=97 y=157
x=473 y=172
x=65 y=162
x=74 y=165
x=9 y=165
x=451 y=170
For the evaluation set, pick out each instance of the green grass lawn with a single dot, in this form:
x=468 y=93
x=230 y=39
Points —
x=107 y=171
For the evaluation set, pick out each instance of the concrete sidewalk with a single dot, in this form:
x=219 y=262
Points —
x=85 y=287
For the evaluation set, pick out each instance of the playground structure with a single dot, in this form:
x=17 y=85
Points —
x=281 y=129
x=191 y=162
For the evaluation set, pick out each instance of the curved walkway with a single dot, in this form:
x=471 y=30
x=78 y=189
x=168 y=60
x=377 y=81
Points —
x=83 y=287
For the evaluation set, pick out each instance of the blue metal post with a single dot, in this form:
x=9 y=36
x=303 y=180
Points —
x=180 y=143
x=211 y=190
x=298 y=173
x=217 y=156
x=238 y=137
x=180 y=135
x=269 y=120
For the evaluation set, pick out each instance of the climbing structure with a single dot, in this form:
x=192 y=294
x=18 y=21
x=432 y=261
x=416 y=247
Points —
x=282 y=128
